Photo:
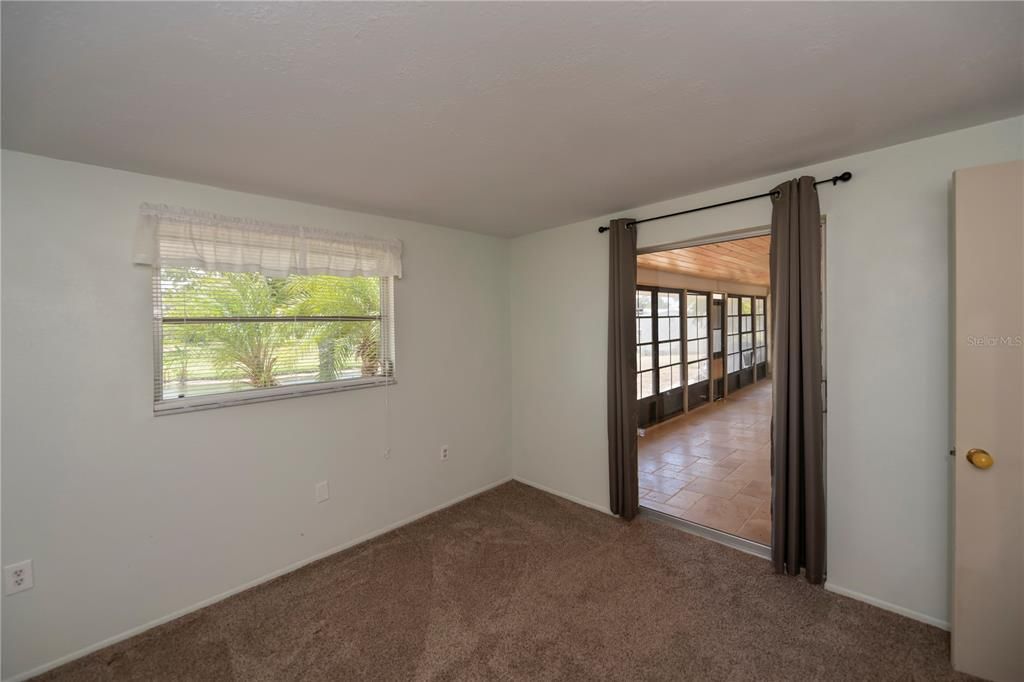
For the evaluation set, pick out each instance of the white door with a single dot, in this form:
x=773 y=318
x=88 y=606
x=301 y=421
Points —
x=988 y=534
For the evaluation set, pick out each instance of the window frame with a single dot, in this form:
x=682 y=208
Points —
x=197 y=403
x=706 y=296
x=652 y=344
x=680 y=339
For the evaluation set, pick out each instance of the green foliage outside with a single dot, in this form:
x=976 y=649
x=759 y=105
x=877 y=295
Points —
x=234 y=355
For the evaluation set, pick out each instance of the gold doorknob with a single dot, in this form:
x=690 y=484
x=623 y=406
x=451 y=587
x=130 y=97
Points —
x=979 y=458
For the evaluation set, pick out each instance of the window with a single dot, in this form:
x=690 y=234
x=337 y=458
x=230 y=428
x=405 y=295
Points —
x=746 y=335
x=732 y=334
x=244 y=311
x=644 y=345
x=760 y=332
x=696 y=338
x=659 y=343
x=670 y=356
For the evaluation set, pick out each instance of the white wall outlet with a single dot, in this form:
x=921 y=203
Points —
x=321 y=492
x=444 y=452
x=18 y=577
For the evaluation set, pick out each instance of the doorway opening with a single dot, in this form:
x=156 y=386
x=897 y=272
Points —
x=704 y=395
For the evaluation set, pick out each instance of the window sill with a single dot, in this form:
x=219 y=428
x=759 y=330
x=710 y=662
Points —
x=211 y=402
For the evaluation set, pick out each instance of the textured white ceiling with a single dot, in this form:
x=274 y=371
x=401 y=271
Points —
x=501 y=118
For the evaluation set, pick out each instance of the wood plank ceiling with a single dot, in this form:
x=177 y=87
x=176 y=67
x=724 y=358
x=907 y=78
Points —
x=741 y=260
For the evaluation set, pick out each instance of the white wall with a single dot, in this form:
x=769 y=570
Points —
x=130 y=518
x=887 y=335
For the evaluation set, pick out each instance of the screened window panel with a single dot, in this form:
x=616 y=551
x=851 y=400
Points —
x=227 y=337
x=759 y=306
x=644 y=359
x=761 y=355
x=746 y=341
x=645 y=385
x=759 y=339
x=698 y=372
x=665 y=379
x=747 y=358
x=644 y=333
x=643 y=304
x=745 y=323
x=668 y=304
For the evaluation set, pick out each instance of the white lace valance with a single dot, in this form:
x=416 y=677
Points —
x=177 y=237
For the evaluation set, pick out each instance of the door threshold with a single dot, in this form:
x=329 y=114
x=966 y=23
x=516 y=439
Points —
x=721 y=537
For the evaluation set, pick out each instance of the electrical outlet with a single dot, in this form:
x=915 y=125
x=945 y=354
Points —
x=444 y=452
x=321 y=492
x=18 y=577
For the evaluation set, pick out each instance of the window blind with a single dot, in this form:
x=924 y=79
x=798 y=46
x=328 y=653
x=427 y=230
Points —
x=243 y=314
x=180 y=237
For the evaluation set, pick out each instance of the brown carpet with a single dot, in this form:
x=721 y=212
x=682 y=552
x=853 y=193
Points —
x=519 y=584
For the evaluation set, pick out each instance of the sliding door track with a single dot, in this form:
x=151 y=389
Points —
x=742 y=544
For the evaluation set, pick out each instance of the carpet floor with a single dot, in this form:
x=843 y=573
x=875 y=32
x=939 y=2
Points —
x=519 y=584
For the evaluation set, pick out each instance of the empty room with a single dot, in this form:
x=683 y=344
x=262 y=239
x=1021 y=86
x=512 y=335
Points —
x=512 y=341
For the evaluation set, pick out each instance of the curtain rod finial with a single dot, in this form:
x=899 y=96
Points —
x=603 y=228
x=846 y=176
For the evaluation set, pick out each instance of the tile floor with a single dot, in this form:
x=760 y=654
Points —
x=711 y=466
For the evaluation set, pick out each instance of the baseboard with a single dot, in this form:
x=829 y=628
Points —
x=564 y=496
x=39 y=670
x=914 y=615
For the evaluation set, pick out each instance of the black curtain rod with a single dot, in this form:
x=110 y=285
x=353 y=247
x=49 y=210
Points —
x=835 y=180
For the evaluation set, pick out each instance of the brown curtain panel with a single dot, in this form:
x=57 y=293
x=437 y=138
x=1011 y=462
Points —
x=798 y=485
x=622 y=466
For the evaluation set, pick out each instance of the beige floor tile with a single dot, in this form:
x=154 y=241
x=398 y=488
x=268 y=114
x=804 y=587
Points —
x=679 y=459
x=684 y=499
x=746 y=502
x=660 y=506
x=758 y=530
x=679 y=473
x=735 y=460
x=751 y=471
x=661 y=484
x=718 y=513
x=764 y=454
x=749 y=445
x=655 y=496
x=758 y=488
x=648 y=464
x=709 y=469
x=708 y=486
x=711 y=451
